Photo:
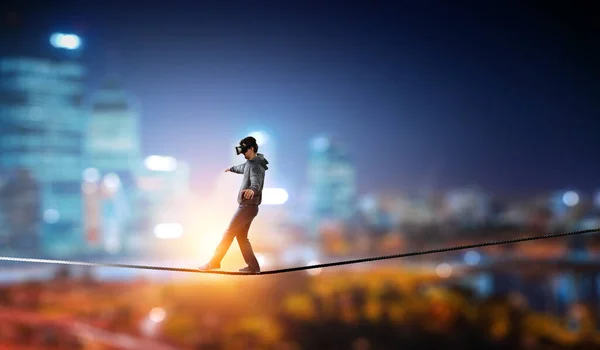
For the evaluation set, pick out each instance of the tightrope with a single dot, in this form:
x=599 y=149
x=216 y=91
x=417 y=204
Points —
x=307 y=267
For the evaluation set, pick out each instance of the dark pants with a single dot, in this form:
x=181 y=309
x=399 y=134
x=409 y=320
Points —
x=238 y=228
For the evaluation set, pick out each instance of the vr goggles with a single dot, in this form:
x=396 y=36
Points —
x=242 y=148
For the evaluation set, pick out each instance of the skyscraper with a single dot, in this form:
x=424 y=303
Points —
x=113 y=157
x=332 y=183
x=113 y=131
x=41 y=132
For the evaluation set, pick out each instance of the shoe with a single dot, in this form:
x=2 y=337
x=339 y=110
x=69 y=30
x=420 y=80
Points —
x=250 y=269
x=209 y=266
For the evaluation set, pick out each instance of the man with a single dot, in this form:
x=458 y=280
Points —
x=249 y=198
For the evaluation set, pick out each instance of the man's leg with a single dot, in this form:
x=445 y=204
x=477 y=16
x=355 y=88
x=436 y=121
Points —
x=238 y=222
x=244 y=242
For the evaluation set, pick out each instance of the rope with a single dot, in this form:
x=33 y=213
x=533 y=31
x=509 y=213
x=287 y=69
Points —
x=308 y=267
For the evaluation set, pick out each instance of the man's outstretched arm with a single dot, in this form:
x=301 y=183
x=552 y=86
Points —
x=238 y=169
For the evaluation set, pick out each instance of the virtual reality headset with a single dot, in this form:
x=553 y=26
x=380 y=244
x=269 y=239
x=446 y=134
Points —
x=242 y=148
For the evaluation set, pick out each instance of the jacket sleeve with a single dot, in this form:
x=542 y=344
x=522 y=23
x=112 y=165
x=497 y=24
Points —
x=238 y=169
x=257 y=177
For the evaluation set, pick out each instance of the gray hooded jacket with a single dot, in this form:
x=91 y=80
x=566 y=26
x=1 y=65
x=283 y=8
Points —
x=254 y=178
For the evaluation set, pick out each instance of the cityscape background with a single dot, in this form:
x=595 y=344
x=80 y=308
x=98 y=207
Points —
x=112 y=150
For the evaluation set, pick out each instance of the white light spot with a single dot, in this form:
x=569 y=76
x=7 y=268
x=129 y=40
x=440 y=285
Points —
x=65 y=41
x=314 y=271
x=571 y=198
x=112 y=182
x=597 y=200
x=51 y=216
x=168 y=230
x=261 y=137
x=91 y=175
x=160 y=163
x=444 y=270
x=157 y=315
x=472 y=258
x=274 y=196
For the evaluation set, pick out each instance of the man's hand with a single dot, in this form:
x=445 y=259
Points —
x=248 y=194
x=227 y=170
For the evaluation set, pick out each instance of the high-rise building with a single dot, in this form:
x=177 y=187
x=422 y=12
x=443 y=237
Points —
x=42 y=130
x=19 y=214
x=113 y=156
x=113 y=130
x=332 y=183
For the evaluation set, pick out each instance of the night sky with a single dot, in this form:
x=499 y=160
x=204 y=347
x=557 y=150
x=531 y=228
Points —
x=424 y=94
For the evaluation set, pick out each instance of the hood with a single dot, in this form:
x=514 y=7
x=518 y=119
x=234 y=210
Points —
x=260 y=158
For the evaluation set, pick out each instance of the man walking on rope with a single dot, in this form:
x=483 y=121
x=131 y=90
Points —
x=249 y=198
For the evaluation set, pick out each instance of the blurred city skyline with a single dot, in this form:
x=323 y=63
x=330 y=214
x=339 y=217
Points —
x=429 y=97
x=389 y=129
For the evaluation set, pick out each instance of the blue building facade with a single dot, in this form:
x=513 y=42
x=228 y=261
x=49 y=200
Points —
x=42 y=132
x=113 y=160
x=332 y=182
